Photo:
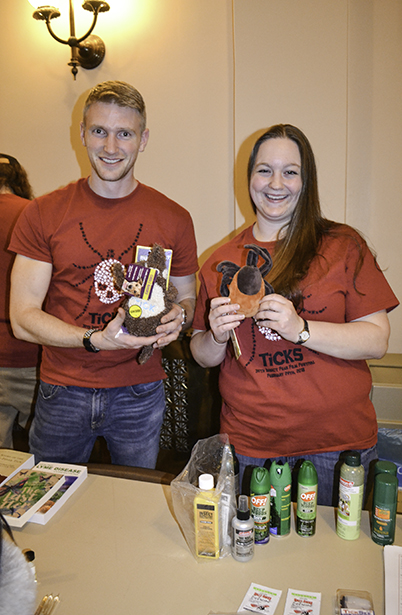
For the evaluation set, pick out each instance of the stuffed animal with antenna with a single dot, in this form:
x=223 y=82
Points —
x=143 y=316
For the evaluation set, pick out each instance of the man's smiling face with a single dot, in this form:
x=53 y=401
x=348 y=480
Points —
x=113 y=138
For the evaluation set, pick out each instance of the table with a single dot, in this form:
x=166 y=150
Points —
x=115 y=549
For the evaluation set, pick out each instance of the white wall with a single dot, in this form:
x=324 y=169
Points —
x=214 y=74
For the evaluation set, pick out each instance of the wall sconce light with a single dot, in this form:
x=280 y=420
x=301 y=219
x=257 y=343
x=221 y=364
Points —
x=87 y=51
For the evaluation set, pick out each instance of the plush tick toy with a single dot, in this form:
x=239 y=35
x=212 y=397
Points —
x=246 y=285
x=147 y=296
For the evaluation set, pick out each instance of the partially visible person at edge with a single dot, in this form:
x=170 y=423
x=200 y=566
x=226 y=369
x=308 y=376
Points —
x=17 y=578
x=91 y=383
x=18 y=359
x=300 y=389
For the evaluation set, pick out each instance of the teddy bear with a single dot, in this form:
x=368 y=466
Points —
x=144 y=315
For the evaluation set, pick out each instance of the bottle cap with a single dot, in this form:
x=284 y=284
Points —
x=385 y=489
x=206 y=482
x=243 y=511
x=260 y=481
x=387 y=467
x=352 y=458
x=280 y=474
x=307 y=473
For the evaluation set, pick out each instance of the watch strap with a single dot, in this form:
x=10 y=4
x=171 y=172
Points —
x=86 y=340
x=304 y=334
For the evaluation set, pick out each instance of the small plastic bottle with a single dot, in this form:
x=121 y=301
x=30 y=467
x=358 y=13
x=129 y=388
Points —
x=206 y=519
x=351 y=487
x=307 y=483
x=260 y=504
x=243 y=532
x=385 y=502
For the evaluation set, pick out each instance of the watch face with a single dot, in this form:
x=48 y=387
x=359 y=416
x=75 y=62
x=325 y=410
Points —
x=304 y=335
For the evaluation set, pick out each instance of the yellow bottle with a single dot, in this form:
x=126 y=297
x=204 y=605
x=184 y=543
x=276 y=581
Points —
x=206 y=519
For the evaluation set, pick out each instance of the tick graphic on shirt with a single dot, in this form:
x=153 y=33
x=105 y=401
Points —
x=100 y=272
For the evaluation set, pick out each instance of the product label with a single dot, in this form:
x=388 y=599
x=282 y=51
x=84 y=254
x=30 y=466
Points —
x=280 y=511
x=349 y=509
x=307 y=502
x=243 y=542
x=260 y=510
x=207 y=541
x=383 y=525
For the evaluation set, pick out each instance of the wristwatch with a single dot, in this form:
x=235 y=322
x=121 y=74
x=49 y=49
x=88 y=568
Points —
x=304 y=334
x=183 y=315
x=86 y=340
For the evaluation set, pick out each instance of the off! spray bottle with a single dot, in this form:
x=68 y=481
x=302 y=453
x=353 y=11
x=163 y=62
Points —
x=306 y=514
x=281 y=487
x=260 y=500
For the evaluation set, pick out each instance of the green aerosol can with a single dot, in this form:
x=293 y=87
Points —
x=260 y=504
x=281 y=488
x=307 y=483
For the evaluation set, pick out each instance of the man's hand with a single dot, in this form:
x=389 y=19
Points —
x=110 y=339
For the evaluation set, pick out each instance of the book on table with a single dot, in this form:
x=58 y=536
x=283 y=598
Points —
x=23 y=494
x=12 y=461
x=74 y=476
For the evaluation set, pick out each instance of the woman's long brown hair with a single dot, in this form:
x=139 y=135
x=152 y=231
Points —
x=300 y=241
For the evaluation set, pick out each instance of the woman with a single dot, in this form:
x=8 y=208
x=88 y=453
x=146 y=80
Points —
x=18 y=359
x=300 y=388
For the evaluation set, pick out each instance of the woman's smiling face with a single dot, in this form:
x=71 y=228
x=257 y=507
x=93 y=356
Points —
x=276 y=182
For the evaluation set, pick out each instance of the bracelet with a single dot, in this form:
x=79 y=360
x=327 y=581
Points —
x=183 y=315
x=216 y=341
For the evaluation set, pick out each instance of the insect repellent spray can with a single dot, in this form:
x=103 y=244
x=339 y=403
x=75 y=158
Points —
x=385 y=501
x=281 y=487
x=260 y=501
x=306 y=514
x=351 y=487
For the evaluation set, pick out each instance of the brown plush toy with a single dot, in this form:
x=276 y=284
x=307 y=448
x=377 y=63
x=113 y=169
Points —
x=143 y=316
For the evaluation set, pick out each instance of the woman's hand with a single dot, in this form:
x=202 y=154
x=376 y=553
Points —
x=279 y=314
x=223 y=317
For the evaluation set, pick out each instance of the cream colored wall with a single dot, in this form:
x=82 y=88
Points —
x=214 y=74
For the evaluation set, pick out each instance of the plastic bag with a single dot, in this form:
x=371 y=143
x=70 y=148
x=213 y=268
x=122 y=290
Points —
x=209 y=456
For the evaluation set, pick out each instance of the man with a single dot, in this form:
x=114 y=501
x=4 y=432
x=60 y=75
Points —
x=18 y=359
x=63 y=297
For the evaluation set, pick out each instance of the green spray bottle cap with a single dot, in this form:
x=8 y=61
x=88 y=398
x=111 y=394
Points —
x=352 y=458
x=280 y=474
x=386 y=489
x=387 y=467
x=307 y=474
x=260 y=481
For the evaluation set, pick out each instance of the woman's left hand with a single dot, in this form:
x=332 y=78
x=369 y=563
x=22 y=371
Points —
x=279 y=314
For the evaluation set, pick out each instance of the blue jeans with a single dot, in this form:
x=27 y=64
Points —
x=327 y=466
x=69 y=419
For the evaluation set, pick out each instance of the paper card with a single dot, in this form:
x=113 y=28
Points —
x=299 y=602
x=260 y=599
x=141 y=254
x=139 y=281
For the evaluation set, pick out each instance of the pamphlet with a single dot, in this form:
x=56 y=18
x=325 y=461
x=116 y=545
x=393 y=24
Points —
x=260 y=599
x=299 y=601
x=24 y=493
x=73 y=477
x=393 y=579
x=12 y=461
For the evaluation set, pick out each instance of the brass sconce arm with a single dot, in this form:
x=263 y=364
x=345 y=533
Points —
x=88 y=50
